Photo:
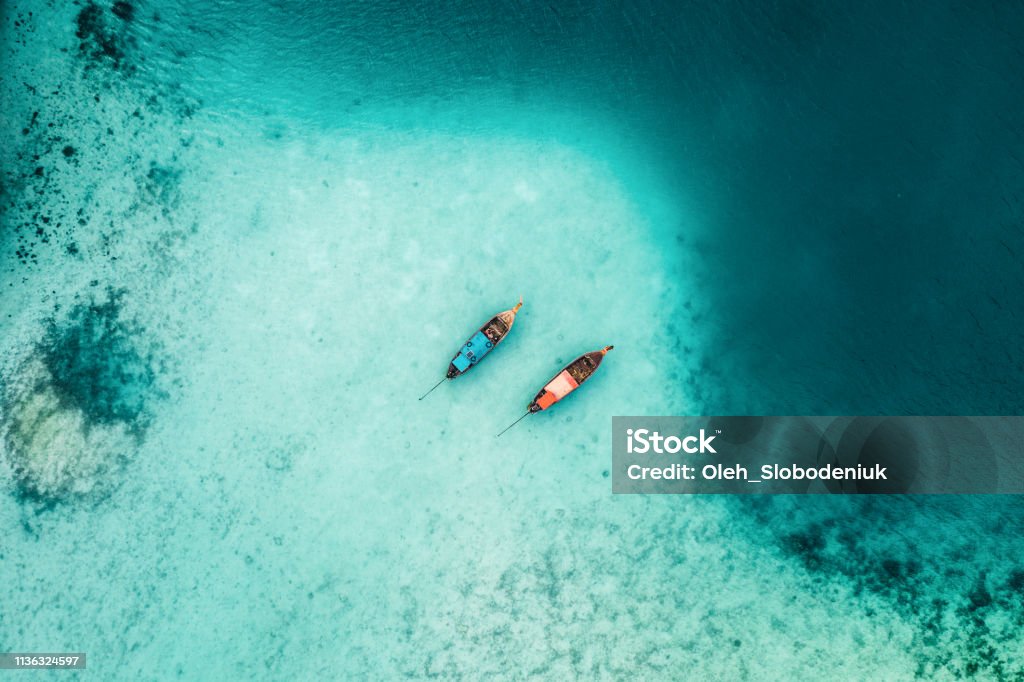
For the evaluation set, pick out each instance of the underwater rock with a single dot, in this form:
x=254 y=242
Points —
x=98 y=40
x=123 y=10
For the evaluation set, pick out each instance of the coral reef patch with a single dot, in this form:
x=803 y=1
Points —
x=78 y=406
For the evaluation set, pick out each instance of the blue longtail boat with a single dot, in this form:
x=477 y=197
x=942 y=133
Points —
x=480 y=344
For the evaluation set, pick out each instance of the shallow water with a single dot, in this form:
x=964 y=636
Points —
x=239 y=243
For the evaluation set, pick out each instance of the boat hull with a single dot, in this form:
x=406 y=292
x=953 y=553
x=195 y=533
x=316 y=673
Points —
x=568 y=380
x=481 y=343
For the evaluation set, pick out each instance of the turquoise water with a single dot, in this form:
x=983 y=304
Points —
x=239 y=242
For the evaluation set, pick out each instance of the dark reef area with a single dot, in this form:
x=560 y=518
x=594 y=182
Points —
x=97 y=365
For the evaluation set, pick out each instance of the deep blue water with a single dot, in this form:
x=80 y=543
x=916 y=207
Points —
x=238 y=241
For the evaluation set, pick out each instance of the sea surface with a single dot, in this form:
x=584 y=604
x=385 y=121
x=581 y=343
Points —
x=239 y=240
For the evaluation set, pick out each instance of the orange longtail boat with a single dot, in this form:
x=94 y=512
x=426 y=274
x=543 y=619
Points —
x=565 y=382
